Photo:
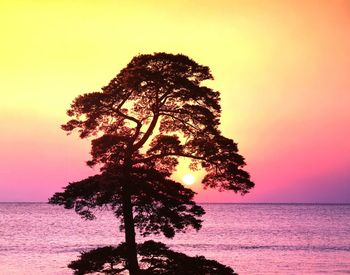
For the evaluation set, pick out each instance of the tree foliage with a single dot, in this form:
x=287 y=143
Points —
x=160 y=92
x=161 y=205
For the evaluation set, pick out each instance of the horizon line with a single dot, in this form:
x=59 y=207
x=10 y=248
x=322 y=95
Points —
x=320 y=203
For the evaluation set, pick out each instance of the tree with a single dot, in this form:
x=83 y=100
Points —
x=153 y=112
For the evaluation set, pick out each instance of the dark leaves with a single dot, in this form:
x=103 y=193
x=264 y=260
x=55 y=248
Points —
x=160 y=90
x=159 y=259
x=91 y=193
x=155 y=258
x=108 y=260
x=109 y=149
x=161 y=205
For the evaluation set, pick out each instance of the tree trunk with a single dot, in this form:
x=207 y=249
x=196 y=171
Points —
x=130 y=240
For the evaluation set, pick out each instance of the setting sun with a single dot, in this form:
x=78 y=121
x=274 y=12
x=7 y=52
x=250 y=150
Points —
x=188 y=179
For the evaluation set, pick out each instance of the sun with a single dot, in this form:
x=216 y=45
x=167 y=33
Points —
x=188 y=179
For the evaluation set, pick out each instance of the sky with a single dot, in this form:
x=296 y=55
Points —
x=282 y=68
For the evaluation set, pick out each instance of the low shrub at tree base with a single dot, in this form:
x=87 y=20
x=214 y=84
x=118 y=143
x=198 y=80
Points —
x=154 y=258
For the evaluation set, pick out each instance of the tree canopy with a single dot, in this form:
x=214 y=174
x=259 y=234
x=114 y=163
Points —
x=161 y=205
x=160 y=92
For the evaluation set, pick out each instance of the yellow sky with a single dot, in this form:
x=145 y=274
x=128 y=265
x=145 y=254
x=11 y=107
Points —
x=61 y=48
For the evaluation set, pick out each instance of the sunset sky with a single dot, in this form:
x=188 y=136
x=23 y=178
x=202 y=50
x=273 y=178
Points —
x=282 y=67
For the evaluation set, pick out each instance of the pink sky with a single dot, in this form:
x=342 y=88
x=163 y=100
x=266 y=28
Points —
x=282 y=68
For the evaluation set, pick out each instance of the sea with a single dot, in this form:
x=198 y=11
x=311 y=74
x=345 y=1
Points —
x=254 y=239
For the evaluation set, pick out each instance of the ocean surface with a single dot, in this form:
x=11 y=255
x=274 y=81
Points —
x=37 y=238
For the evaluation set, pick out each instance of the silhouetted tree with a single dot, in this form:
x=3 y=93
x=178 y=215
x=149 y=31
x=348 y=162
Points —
x=153 y=112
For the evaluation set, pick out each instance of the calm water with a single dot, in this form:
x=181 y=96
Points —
x=252 y=238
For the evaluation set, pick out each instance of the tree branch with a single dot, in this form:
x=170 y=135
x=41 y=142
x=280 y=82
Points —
x=148 y=133
x=128 y=117
x=170 y=154
x=182 y=121
x=117 y=110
